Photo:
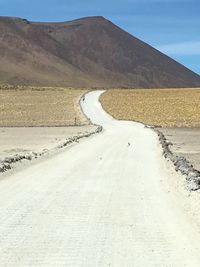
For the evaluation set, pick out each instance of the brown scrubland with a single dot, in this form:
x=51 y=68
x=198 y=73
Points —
x=40 y=106
x=159 y=107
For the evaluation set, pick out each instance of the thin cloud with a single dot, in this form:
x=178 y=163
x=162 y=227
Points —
x=184 y=48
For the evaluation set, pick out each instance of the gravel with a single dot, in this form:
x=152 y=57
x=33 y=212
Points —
x=181 y=164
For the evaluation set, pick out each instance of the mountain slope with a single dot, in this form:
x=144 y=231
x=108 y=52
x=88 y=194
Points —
x=85 y=52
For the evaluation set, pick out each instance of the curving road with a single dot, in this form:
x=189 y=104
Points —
x=104 y=202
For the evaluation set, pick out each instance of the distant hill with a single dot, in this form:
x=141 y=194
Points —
x=88 y=52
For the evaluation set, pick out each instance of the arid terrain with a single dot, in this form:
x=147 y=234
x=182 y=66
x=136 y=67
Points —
x=111 y=200
x=39 y=106
x=175 y=111
x=25 y=140
x=87 y=52
x=185 y=143
x=35 y=121
x=99 y=146
x=166 y=108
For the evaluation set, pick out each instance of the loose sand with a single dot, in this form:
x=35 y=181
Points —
x=23 y=140
x=186 y=143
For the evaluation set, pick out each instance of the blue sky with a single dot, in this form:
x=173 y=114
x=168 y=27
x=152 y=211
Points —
x=172 y=26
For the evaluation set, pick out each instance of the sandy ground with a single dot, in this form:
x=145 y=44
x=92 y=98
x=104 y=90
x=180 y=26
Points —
x=164 y=107
x=40 y=106
x=186 y=143
x=23 y=140
x=101 y=203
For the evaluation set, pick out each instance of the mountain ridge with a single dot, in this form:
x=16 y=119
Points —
x=86 y=52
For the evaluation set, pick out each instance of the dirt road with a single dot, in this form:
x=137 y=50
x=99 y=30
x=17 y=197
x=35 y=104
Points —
x=102 y=202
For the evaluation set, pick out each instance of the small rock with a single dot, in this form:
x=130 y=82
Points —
x=193 y=186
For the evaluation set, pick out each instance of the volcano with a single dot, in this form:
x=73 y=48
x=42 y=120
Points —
x=87 y=52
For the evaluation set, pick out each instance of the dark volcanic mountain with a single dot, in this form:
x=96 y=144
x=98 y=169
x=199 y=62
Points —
x=85 y=52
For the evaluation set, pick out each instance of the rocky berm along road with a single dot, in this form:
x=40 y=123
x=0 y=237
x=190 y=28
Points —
x=107 y=201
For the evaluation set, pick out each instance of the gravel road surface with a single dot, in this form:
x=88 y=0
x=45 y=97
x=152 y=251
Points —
x=107 y=201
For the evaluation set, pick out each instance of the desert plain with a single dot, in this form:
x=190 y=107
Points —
x=127 y=196
x=93 y=201
x=37 y=119
x=174 y=112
